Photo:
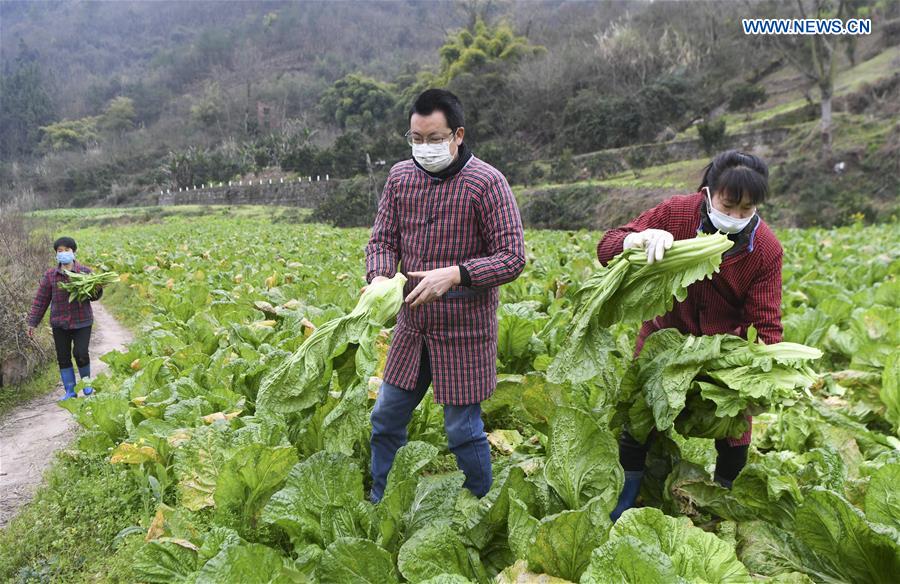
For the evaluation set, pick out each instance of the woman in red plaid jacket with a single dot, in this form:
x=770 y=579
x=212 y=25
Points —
x=745 y=292
x=71 y=321
x=452 y=223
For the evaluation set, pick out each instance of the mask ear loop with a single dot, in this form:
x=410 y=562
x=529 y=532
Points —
x=708 y=198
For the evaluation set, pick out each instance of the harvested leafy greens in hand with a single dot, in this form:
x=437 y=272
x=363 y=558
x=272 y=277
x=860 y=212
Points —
x=705 y=386
x=81 y=287
x=629 y=289
x=301 y=379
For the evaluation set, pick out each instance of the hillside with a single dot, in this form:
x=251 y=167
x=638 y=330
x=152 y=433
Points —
x=784 y=130
x=582 y=105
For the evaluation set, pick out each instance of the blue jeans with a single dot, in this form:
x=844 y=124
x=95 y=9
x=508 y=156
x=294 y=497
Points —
x=465 y=433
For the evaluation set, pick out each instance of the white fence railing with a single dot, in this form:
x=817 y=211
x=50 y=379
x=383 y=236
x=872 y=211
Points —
x=241 y=183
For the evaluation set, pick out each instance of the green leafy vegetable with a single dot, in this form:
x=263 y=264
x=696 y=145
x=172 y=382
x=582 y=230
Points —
x=356 y=560
x=659 y=547
x=250 y=476
x=437 y=550
x=252 y=563
x=629 y=289
x=313 y=487
x=300 y=381
x=583 y=459
x=883 y=497
x=705 y=385
x=558 y=544
x=82 y=287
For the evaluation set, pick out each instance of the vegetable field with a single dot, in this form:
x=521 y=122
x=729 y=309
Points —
x=240 y=419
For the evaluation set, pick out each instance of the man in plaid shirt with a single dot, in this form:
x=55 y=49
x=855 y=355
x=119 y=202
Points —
x=451 y=221
x=71 y=321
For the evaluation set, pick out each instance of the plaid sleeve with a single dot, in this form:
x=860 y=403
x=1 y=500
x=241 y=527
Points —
x=383 y=249
x=502 y=229
x=611 y=244
x=41 y=301
x=762 y=308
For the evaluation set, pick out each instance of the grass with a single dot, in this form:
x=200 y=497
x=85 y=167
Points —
x=846 y=82
x=40 y=383
x=68 y=532
x=674 y=175
x=849 y=132
x=683 y=174
x=76 y=218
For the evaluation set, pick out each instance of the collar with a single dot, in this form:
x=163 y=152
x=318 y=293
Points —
x=59 y=268
x=463 y=156
x=744 y=238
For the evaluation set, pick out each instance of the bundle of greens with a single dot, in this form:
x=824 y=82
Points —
x=629 y=289
x=705 y=386
x=300 y=380
x=81 y=287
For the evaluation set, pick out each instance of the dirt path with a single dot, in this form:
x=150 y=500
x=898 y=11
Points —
x=31 y=433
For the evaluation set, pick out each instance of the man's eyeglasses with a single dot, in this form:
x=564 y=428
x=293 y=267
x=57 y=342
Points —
x=433 y=139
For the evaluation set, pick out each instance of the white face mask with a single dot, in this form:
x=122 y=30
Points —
x=723 y=222
x=433 y=157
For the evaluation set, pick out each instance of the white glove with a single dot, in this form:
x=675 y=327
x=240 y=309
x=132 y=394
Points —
x=655 y=241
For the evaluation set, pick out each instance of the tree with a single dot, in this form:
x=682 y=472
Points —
x=712 y=134
x=118 y=116
x=562 y=168
x=476 y=63
x=592 y=121
x=358 y=102
x=68 y=134
x=813 y=56
x=471 y=49
x=746 y=96
x=208 y=110
x=25 y=105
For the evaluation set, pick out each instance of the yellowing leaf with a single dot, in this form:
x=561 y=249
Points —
x=220 y=416
x=373 y=387
x=518 y=574
x=308 y=327
x=126 y=453
x=182 y=542
x=264 y=307
x=178 y=437
x=157 y=526
x=505 y=441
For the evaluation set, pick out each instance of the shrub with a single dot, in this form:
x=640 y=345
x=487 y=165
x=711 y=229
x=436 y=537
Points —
x=351 y=204
x=712 y=135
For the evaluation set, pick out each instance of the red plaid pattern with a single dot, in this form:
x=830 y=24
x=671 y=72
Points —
x=424 y=223
x=746 y=290
x=64 y=314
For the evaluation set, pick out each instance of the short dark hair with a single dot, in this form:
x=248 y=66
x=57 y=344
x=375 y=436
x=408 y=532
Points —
x=736 y=174
x=442 y=101
x=66 y=241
